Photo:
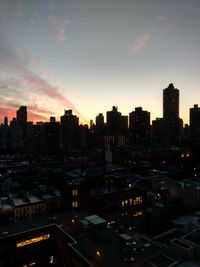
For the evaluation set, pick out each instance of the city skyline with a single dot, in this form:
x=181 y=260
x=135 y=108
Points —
x=89 y=56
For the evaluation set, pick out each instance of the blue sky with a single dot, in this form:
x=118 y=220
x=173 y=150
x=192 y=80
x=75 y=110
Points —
x=88 y=55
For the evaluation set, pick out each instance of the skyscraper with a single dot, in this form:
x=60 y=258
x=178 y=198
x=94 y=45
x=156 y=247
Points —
x=69 y=130
x=195 y=124
x=170 y=102
x=171 y=122
x=22 y=116
x=139 y=125
x=21 y=127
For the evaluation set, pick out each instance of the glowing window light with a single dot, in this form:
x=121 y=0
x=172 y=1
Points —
x=98 y=253
x=32 y=240
x=51 y=259
x=32 y=263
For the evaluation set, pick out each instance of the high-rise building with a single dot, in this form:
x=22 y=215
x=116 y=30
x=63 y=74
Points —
x=21 y=127
x=139 y=126
x=170 y=102
x=113 y=121
x=117 y=126
x=195 y=123
x=69 y=130
x=22 y=116
x=100 y=120
x=171 y=122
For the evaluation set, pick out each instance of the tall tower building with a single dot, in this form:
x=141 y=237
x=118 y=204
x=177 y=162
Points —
x=69 y=130
x=21 y=127
x=170 y=102
x=22 y=116
x=171 y=122
x=139 y=126
x=113 y=121
x=195 y=123
x=100 y=121
x=117 y=127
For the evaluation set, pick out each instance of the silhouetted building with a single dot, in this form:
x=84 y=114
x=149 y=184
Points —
x=117 y=127
x=22 y=116
x=100 y=121
x=195 y=124
x=113 y=121
x=5 y=121
x=171 y=122
x=170 y=102
x=52 y=119
x=51 y=136
x=157 y=131
x=21 y=135
x=69 y=130
x=139 y=125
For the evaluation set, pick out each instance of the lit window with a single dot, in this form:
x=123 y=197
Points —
x=130 y=202
x=137 y=213
x=32 y=240
x=51 y=259
x=74 y=192
x=98 y=253
x=75 y=204
x=126 y=202
x=32 y=263
x=138 y=200
x=122 y=203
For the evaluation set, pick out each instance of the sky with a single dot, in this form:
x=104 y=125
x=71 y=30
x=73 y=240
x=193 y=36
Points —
x=90 y=55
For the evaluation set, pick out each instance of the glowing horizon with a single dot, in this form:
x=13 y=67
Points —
x=91 y=55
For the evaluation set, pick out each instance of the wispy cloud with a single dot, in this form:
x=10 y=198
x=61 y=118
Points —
x=160 y=18
x=190 y=8
x=60 y=27
x=141 y=42
x=30 y=87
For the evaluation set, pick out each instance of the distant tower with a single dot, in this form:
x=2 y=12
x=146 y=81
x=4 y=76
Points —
x=139 y=125
x=52 y=119
x=170 y=102
x=6 y=121
x=171 y=122
x=195 y=123
x=100 y=121
x=22 y=116
x=69 y=130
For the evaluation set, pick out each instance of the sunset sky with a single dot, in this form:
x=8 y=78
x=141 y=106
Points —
x=88 y=55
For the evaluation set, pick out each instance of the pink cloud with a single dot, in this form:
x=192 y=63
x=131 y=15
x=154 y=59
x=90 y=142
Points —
x=7 y=112
x=36 y=117
x=61 y=34
x=141 y=42
x=160 y=18
x=60 y=27
x=30 y=81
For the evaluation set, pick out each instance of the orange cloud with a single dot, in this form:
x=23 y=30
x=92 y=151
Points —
x=141 y=42
x=30 y=82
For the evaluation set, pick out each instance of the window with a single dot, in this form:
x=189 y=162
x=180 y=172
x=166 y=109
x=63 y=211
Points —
x=51 y=259
x=32 y=240
x=75 y=204
x=74 y=192
x=137 y=213
x=138 y=200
